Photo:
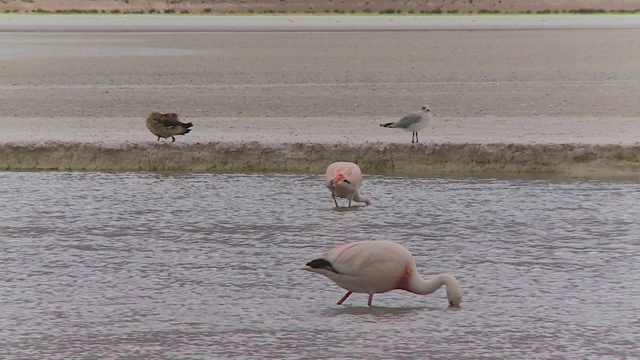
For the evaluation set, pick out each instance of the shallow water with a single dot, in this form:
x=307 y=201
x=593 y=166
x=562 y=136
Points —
x=99 y=265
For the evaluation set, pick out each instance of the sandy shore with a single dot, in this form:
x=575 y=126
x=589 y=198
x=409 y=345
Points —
x=506 y=102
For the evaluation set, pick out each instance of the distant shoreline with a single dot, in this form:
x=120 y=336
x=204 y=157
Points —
x=304 y=22
x=410 y=7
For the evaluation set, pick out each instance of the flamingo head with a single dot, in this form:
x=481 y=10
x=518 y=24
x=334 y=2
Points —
x=339 y=179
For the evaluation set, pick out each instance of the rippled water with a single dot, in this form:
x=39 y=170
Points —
x=150 y=266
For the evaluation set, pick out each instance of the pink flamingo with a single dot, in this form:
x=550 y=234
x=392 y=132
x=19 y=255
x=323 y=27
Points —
x=374 y=267
x=344 y=179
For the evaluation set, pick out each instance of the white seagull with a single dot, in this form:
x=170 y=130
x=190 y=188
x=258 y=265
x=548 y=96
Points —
x=343 y=179
x=413 y=122
x=373 y=267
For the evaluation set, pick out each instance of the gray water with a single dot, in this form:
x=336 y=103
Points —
x=156 y=266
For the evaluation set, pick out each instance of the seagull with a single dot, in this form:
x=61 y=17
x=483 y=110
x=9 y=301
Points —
x=166 y=125
x=374 y=267
x=343 y=179
x=413 y=122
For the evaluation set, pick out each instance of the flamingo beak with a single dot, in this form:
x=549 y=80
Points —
x=320 y=264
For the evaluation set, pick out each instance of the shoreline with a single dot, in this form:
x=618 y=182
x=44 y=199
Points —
x=423 y=160
x=542 y=147
x=319 y=6
x=599 y=148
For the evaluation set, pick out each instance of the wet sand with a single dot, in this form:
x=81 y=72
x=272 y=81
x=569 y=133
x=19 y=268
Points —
x=544 y=90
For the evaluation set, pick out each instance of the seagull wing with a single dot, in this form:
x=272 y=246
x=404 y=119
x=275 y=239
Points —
x=408 y=120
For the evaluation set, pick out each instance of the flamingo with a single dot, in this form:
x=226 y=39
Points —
x=344 y=179
x=166 y=125
x=413 y=122
x=374 y=267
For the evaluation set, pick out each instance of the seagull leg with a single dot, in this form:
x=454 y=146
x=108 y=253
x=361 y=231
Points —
x=417 y=137
x=413 y=134
x=349 y=203
x=370 y=299
x=158 y=138
x=344 y=298
x=173 y=139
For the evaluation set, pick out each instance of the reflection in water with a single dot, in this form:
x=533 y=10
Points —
x=378 y=313
x=208 y=266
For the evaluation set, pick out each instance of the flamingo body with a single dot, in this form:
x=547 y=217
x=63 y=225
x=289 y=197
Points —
x=374 y=267
x=343 y=179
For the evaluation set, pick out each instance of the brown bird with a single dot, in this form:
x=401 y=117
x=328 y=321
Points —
x=166 y=125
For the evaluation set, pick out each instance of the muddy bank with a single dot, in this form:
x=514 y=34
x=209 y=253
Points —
x=573 y=160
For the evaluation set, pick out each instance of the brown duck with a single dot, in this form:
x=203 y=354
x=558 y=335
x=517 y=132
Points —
x=166 y=125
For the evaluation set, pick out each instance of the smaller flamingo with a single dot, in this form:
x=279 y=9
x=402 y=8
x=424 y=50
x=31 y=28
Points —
x=343 y=179
x=373 y=267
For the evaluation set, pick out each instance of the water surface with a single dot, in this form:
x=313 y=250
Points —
x=98 y=265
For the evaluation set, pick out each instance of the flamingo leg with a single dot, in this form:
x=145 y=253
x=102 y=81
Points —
x=334 y=200
x=370 y=299
x=344 y=298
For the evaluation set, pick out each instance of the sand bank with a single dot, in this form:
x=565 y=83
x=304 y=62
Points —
x=593 y=161
x=505 y=146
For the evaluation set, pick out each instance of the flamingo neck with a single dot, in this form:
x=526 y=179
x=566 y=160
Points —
x=361 y=198
x=424 y=287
